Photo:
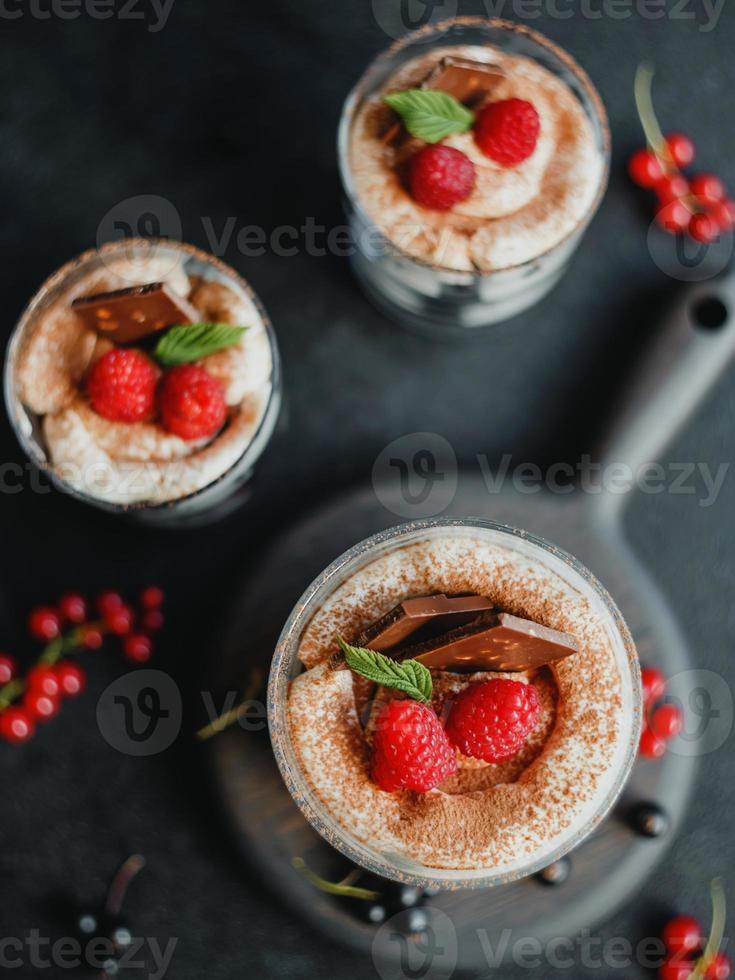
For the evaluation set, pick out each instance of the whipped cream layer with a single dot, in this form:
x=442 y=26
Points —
x=514 y=214
x=141 y=462
x=500 y=816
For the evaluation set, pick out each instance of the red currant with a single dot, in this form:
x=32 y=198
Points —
x=645 y=168
x=667 y=721
x=152 y=597
x=138 y=647
x=683 y=934
x=71 y=678
x=91 y=638
x=671 y=187
x=708 y=187
x=654 y=685
x=674 y=217
x=720 y=968
x=40 y=706
x=703 y=228
x=108 y=601
x=44 y=624
x=723 y=212
x=652 y=747
x=16 y=725
x=675 y=968
x=120 y=620
x=43 y=680
x=153 y=620
x=681 y=149
x=73 y=608
x=7 y=669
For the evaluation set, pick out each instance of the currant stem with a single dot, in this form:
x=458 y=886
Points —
x=647 y=115
x=121 y=883
x=717 y=932
x=342 y=888
x=50 y=655
x=235 y=714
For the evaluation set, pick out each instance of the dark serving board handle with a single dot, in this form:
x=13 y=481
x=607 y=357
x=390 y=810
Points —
x=691 y=350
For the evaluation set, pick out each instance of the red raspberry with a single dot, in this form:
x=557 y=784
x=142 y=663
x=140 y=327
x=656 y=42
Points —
x=508 y=131
x=192 y=402
x=410 y=748
x=440 y=177
x=122 y=386
x=492 y=720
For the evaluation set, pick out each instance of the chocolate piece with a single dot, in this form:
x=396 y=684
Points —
x=127 y=315
x=494 y=641
x=412 y=614
x=468 y=81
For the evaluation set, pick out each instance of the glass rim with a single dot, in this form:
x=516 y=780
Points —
x=312 y=808
x=353 y=100
x=55 y=281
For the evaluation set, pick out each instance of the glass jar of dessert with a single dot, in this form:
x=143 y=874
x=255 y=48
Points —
x=144 y=379
x=455 y=703
x=473 y=154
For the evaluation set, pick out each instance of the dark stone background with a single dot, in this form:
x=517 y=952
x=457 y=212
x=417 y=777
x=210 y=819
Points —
x=231 y=110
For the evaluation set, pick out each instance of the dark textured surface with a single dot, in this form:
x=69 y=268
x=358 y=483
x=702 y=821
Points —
x=93 y=112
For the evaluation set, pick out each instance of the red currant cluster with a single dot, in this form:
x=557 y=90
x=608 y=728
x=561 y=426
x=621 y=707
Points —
x=685 y=945
x=698 y=205
x=37 y=696
x=662 y=723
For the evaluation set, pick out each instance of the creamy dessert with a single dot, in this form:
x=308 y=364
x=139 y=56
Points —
x=516 y=207
x=473 y=153
x=524 y=735
x=149 y=373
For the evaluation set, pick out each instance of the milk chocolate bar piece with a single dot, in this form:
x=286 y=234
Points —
x=468 y=81
x=127 y=315
x=494 y=641
x=412 y=614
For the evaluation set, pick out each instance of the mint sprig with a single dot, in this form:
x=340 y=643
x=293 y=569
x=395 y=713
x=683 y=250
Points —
x=191 y=342
x=408 y=676
x=431 y=115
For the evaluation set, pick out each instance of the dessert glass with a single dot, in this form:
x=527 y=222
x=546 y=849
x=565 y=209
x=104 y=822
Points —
x=223 y=492
x=428 y=297
x=566 y=570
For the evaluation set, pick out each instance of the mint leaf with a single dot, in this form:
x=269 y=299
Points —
x=191 y=342
x=408 y=676
x=430 y=115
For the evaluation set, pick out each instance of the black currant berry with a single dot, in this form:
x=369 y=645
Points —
x=649 y=820
x=375 y=913
x=556 y=873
